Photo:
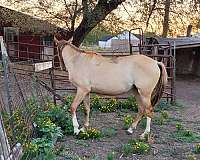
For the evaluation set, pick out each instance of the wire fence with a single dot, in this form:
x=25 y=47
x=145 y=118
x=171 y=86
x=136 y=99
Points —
x=20 y=98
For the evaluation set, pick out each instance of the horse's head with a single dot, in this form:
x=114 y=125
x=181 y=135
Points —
x=60 y=45
x=61 y=41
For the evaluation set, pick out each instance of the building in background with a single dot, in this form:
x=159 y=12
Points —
x=187 y=53
x=119 y=42
x=19 y=29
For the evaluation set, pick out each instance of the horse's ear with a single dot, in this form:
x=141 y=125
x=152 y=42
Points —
x=56 y=40
x=70 y=40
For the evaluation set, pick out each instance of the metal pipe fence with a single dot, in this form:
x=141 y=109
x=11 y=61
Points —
x=21 y=85
x=60 y=79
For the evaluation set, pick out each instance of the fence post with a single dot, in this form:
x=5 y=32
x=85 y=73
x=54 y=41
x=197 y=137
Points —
x=174 y=74
x=6 y=81
x=51 y=73
x=5 y=73
x=4 y=145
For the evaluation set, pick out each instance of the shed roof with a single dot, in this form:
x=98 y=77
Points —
x=180 y=42
x=106 y=38
x=24 y=22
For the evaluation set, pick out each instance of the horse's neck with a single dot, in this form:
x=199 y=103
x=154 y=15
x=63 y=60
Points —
x=69 y=54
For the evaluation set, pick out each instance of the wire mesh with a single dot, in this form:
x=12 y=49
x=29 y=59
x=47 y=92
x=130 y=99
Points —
x=18 y=115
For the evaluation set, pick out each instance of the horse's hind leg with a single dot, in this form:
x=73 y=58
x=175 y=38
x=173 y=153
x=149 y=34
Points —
x=86 y=102
x=149 y=114
x=80 y=95
x=146 y=100
x=141 y=111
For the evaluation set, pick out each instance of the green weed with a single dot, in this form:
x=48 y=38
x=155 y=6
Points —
x=108 y=132
x=128 y=119
x=110 y=156
x=135 y=147
x=184 y=135
x=91 y=133
x=109 y=105
x=197 y=149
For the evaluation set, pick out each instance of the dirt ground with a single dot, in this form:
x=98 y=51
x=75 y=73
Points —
x=164 y=147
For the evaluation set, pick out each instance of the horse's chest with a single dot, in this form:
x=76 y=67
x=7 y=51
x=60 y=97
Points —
x=78 y=78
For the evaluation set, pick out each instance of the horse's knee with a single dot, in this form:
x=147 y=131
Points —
x=141 y=110
x=149 y=111
x=72 y=110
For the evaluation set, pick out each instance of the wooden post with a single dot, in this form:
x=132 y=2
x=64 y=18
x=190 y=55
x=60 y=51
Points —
x=189 y=30
x=4 y=145
x=155 y=51
x=165 y=60
x=5 y=150
x=51 y=72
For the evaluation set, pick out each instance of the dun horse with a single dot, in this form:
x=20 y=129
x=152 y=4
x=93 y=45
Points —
x=90 y=72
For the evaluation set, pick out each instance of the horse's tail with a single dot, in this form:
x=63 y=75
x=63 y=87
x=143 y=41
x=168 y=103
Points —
x=162 y=82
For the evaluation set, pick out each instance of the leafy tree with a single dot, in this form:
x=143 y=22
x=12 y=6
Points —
x=97 y=33
x=78 y=17
x=166 y=18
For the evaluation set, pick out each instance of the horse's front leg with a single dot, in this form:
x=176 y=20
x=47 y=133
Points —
x=80 y=95
x=86 y=102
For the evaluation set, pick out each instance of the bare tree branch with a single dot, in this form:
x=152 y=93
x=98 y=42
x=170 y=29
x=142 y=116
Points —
x=67 y=8
x=150 y=13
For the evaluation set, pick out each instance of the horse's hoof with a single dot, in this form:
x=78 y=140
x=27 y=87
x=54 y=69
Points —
x=83 y=129
x=129 y=131
x=76 y=131
x=144 y=136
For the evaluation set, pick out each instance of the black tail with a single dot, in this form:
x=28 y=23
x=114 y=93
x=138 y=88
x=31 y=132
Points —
x=158 y=90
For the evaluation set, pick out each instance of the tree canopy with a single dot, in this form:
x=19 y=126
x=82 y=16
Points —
x=79 y=17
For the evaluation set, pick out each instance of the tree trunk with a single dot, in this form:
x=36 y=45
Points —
x=189 y=30
x=91 y=19
x=166 y=19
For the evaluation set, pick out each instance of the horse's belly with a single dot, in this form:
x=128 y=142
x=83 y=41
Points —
x=112 y=88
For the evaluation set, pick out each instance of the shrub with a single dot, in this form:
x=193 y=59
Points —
x=164 y=116
x=91 y=133
x=108 y=132
x=129 y=103
x=185 y=135
x=40 y=148
x=47 y=133
x=21 y=120
x=37 y=128
x=61 y=117
x=128 y=119
x=68 y=101
x=96 y=102
x=109 y=105
x=191 y=157
x=135 y=147
x=198 y=148
x=110 y=156
x=179 y=126
x=22 y=126
x=47 y=129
